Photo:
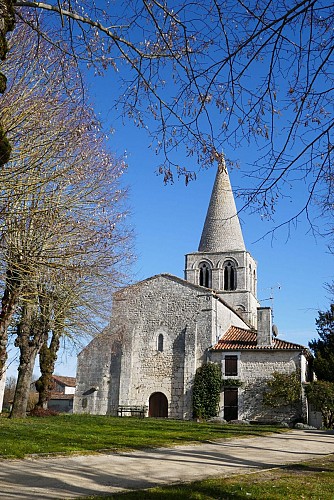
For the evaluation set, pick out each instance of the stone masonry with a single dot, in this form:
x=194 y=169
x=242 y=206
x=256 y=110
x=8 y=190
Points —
x=163 y=328
x=188 y=317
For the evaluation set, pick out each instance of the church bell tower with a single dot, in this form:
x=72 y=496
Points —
x=222 y=262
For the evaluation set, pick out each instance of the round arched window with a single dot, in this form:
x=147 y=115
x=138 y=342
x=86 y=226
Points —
x=160 y=342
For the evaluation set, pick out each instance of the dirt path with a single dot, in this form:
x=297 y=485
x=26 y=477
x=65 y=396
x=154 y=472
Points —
x=73 y=477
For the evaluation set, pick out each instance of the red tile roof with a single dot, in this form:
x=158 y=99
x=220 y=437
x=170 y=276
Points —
x=237 y=338
x=60 y=395
x=69 y=381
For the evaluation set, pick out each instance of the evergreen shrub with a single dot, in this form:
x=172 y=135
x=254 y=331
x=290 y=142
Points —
x=206 y=391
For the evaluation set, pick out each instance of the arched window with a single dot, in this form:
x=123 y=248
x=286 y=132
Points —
x=205 y=275
x=160 y=342
x=230 y=276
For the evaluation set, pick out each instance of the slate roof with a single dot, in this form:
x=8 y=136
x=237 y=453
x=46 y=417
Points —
x=237 y=338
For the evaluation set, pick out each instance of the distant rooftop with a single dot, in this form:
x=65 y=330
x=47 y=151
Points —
x=68 y=381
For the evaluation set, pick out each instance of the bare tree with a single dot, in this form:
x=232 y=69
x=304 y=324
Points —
x=9 y=392
x=203 y=77
x=29 y=344
x=7 y=22
x=213 y=76
x=62 y=212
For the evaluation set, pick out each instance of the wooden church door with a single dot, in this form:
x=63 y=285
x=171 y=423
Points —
x=158 y=405
x=230 y=403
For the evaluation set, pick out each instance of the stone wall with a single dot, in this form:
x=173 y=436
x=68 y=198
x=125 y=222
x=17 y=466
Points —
x=94 y=378
x=168 y=307
x=255 y=368
x=188 y=317
x=244 y=297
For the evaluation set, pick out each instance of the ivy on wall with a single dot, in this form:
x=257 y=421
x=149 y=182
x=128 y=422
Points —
x=206 y=391
x=232 y=382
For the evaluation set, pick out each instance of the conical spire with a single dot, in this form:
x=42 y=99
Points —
x=222 y=231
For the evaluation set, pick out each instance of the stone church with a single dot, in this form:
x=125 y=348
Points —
x=163 y=328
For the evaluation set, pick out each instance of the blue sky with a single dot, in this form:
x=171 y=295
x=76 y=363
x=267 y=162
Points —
x=293 y=266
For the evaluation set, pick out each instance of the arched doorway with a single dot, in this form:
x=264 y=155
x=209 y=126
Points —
x=158 y=405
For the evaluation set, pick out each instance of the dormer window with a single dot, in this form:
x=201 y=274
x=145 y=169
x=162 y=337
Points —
x=205 y=275
x=230 y=276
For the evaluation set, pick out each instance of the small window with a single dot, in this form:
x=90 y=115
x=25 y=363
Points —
x=204 y=275
x=160 y=342
x=231 y=366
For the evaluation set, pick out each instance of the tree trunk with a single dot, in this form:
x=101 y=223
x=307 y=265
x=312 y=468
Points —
x=7 y=22
x=29 y=342
x=22 y=392
x=8 y=305
x=47 y=361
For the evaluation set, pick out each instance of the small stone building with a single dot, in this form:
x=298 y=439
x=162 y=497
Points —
x=163 y=328
x=62 y=394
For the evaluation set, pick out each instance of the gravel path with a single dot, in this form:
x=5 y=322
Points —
x=78 y=476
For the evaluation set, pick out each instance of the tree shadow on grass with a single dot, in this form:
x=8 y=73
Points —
x=326 y=464
x=190 y=491
x=237 y=487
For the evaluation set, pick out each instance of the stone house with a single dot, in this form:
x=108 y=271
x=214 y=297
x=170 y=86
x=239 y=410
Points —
x=62 y=394
x=163 y=328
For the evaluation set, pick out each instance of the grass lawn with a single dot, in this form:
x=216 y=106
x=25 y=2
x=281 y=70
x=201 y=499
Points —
x=308 y=480
x=66 y=434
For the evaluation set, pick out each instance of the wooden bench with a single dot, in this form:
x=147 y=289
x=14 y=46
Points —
x=132 y=411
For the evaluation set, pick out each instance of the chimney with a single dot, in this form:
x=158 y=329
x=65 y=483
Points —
x=264 y=327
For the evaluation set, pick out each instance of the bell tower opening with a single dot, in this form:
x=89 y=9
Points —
x=230 y=276
x=205 y=275
x=222 y=262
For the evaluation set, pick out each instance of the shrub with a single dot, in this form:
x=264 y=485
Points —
x=321 y=396
x=206 y=392
x=283 y=390
x=43 y=412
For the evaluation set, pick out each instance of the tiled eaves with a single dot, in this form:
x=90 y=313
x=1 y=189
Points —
x=60 y=395
x=238 y=339
x=69 y=381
